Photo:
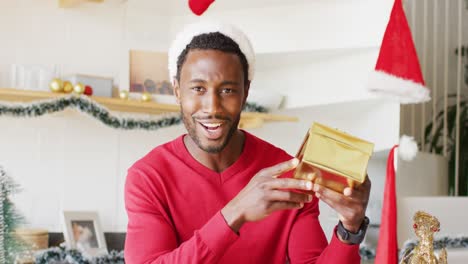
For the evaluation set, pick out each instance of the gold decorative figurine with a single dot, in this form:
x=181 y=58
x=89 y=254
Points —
x=425 y=225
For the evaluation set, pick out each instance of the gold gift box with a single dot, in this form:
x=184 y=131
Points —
x=333 y=158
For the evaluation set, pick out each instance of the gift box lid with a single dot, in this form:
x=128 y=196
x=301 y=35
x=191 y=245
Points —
x=343 y=137
x=336 y=152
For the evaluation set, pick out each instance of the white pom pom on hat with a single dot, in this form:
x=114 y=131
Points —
x=192 y=30
x=407 y=148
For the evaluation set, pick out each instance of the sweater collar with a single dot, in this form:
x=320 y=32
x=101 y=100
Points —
x=244 y=160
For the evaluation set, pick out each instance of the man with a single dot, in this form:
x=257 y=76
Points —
x=220 y=194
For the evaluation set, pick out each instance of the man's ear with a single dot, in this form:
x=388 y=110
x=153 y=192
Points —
x=175 y=85
x=246 y=92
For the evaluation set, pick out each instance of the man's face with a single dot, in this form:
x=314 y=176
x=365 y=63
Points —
x=211 y=93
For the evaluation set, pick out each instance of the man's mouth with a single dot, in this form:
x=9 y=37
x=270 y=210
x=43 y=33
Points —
x=211 y=126
x=212 y=130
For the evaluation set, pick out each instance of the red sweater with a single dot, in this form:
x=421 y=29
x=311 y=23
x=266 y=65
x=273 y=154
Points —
x=173 y=205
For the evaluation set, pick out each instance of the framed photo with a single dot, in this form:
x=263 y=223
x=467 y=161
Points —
x=82 y=231
x=149 y=72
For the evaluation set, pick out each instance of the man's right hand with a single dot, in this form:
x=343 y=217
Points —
x=265 y=194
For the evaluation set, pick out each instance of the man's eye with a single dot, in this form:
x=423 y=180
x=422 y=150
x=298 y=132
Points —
x=198 y=89
x=228 y=90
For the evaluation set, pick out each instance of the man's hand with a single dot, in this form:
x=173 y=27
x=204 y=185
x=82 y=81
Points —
x=265 y=194
x=350 y=205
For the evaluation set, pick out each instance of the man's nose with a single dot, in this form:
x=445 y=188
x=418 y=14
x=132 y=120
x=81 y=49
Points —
x=211 y=103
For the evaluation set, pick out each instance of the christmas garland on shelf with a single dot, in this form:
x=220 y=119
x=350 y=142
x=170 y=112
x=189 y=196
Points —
x=95 y=110
x=73 y=256
x=443 y=242
x=253 y=107
x=366 y=252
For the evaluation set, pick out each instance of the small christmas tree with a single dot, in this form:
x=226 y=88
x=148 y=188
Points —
x=10 y=245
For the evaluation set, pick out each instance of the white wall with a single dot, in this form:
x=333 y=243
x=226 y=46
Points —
x=69 y=161
x=89 y=39
x=84 y=40
x=306 y=25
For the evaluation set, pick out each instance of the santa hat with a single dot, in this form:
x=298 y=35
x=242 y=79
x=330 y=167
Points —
x=192 y=30
x=199 y=7
x=387 y=247
x=398 y=73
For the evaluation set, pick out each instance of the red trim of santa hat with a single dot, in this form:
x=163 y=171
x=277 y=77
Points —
x=387 y=247
x=398 y=73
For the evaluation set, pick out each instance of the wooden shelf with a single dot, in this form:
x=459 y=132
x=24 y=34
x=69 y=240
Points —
x=248 y=119
x=72 y=3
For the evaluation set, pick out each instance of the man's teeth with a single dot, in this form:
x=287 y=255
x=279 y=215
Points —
x=212 y=125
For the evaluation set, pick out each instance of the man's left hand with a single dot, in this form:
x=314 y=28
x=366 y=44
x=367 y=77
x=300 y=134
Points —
x=350 y=205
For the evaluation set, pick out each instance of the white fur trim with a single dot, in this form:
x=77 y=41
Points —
x=407 y=148
x=404 y=91
x=192 y=30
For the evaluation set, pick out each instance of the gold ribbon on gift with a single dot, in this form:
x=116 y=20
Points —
x=333 y=158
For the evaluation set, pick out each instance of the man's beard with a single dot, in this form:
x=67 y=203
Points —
x=190 y=125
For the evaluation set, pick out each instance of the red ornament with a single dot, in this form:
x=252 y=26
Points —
x=88 y=90
x=415 y=226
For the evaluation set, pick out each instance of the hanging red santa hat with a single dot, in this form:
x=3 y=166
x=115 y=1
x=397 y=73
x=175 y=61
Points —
x=199 y=7
x=398 y=73
x=387 y=247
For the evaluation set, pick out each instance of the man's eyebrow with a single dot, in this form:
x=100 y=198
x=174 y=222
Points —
x=223 y=83
x=197 y=81
x=230 y=83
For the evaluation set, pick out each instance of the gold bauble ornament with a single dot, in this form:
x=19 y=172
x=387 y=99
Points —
x=146 y=97
x=123 y=94
x=79 y=88
x=67 y=87
x=56 y=85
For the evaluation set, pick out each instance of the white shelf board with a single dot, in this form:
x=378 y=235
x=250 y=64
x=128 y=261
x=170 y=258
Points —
x=317 y=77
x=289 y=57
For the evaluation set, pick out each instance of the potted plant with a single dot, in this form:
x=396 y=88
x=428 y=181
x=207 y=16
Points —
x=435 y=140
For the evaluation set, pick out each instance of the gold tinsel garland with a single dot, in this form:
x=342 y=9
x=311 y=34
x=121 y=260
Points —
x=85 y=105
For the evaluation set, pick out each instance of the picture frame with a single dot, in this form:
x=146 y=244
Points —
x=82 y=231
x=148 y=73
